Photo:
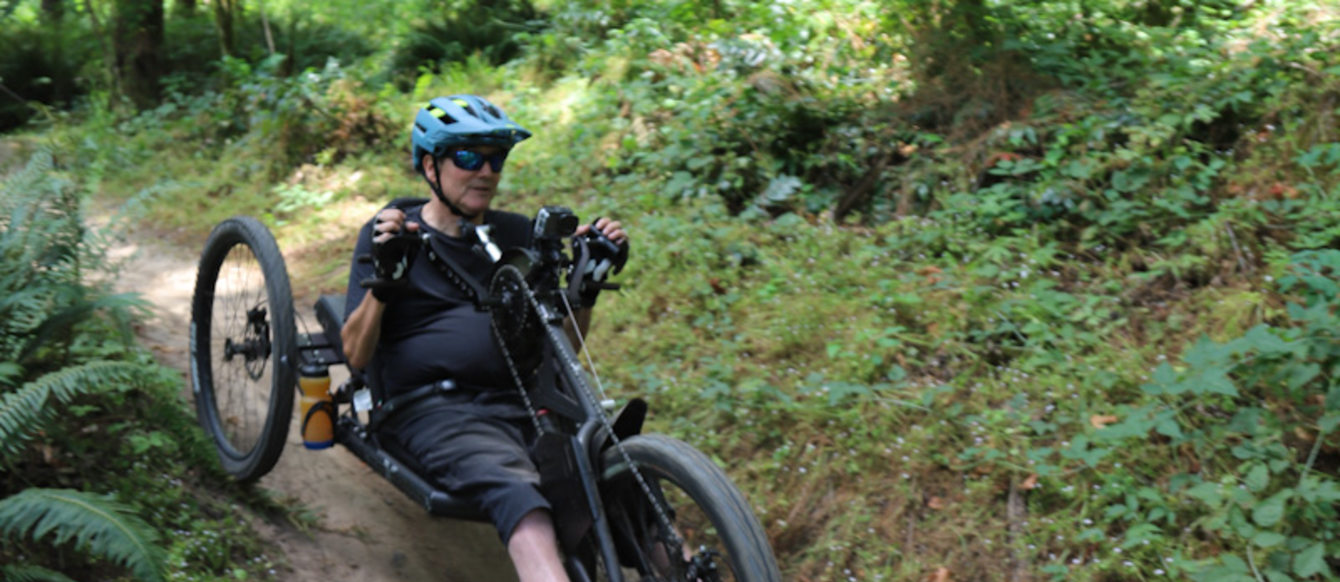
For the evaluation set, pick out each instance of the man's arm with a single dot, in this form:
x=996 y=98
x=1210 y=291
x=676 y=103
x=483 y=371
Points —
x=361 y=331
x=363 y=326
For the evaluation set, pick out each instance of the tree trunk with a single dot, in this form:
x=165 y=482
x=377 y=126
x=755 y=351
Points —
x=53 y=10
x=53 y=18
x=138 y=38
x=223 y=20
x=265 y=24
x=108 y=47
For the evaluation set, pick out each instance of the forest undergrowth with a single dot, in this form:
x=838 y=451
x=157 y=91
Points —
x=106 y=475
x=962 y=290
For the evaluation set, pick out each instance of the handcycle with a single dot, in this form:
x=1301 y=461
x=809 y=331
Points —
x=627 y=506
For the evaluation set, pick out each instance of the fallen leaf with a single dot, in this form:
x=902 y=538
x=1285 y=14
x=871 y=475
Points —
x=935 y=502
x=940 y=574
x=931 y=273
x=1030 y=483
x=1102 y=420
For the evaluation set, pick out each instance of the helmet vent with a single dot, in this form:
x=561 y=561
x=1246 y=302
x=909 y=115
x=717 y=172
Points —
x=441 y=114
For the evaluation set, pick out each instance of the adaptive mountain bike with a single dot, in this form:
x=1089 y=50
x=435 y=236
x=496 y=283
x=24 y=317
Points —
x=627 y=506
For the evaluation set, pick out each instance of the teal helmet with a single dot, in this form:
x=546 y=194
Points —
x=458 y=120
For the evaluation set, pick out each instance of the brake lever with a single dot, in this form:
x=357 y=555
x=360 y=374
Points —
x=616 y=252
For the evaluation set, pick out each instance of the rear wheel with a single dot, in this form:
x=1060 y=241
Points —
x=243 y=346
x=704 y=529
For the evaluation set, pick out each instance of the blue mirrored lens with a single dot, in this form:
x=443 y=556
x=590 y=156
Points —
x=467 y=160
x=471 y=160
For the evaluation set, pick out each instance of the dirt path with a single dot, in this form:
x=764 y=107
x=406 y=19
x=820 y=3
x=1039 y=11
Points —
x=367 y=529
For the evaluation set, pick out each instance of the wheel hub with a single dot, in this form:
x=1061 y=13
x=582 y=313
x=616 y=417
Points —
x=254 y=347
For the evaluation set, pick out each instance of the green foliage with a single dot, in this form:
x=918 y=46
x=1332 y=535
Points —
x=29 y=410
x=295 y=118
x=454 y=32
x=42 y=65
x=79 y=407
x=41 y=266
x=22 y=573
x=91 y=523
x=943 y=255
x=1274 y=397
x=306 y=41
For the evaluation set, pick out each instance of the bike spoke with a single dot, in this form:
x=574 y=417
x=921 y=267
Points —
x=242 y=379
x=702 y=556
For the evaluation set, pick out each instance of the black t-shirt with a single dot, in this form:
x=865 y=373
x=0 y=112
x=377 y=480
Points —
x=431 y=331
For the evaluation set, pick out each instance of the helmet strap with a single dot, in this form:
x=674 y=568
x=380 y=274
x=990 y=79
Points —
x=437 y=190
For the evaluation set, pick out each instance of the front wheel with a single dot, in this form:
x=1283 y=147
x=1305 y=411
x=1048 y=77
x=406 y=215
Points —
x=688 y=522
x=243 y=346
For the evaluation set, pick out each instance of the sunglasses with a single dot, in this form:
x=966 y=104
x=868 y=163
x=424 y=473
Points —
x=470 y=160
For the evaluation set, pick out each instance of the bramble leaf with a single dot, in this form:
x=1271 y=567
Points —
x=1271 y=511
x=1311 y=561
x=1258 y=478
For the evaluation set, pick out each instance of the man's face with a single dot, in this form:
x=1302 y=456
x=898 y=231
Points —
x=470 y=190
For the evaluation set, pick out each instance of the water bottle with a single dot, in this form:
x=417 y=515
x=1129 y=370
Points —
x=318 y=411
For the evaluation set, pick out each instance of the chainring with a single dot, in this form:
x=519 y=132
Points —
x=515 y=320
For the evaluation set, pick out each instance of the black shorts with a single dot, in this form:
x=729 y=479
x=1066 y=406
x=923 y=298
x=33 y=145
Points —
x=475 y=451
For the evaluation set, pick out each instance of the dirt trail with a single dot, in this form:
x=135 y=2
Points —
x=367 y=529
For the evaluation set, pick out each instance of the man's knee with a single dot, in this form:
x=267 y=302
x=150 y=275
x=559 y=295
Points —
x=534 y=527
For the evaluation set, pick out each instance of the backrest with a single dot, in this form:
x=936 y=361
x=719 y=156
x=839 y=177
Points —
x=330 y=315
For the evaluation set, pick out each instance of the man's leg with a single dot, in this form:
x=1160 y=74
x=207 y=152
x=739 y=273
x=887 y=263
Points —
x=534 y=549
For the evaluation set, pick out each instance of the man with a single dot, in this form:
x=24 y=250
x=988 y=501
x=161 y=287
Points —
x=415 y=328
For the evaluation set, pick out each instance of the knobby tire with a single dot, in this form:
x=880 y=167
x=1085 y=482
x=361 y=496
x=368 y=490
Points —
x=243 y=346
x=667 y=464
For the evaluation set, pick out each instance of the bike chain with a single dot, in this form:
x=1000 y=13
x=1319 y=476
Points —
x=507 y=356
x=604 y=419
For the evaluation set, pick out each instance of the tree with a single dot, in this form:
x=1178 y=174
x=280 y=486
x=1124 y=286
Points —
x=138 y=39
x=225 y=11
x=54 y=10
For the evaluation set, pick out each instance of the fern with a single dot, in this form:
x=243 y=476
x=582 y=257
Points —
x=44 y=297
x=28 y=573
x=41 y=239
x=96 y=524
x=27 y=410
x=61 y=321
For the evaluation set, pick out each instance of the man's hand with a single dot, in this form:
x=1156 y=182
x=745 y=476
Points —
x=393 y=250
x=607 y=244
x=612 y=229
